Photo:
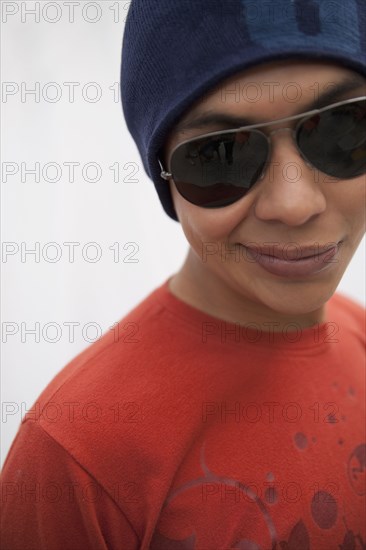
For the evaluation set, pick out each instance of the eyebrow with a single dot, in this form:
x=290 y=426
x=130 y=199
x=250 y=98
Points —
x=211 y=117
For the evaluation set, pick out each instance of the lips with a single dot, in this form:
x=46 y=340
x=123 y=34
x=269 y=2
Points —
x=321 y=259
x=291 y=253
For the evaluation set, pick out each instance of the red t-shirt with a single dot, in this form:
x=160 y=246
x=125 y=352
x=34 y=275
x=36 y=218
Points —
x=182 y=431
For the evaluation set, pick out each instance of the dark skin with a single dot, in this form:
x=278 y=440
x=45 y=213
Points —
x=275 y=210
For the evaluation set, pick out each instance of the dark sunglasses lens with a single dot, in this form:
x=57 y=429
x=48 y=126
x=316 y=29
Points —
x=335 y=141
x=217 y=171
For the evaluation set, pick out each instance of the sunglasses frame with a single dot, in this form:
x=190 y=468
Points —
x=166 y=175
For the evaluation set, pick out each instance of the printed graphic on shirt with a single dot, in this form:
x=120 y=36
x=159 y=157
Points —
x=184 y=516
x=356 y=469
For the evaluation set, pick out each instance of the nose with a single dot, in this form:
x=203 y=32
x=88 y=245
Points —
x=289 y=192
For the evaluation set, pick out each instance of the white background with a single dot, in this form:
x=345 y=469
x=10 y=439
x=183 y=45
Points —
x=104 y=212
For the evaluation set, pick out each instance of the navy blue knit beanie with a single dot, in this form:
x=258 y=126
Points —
x=174 y=51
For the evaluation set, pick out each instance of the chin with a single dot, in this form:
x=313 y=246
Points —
x=296 y=303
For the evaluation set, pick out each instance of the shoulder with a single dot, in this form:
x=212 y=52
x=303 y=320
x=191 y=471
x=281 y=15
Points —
x=107 y=364
x=117 y=405
x=341 y=303
x=349 y=314
x=135 y=359
x=100 y=404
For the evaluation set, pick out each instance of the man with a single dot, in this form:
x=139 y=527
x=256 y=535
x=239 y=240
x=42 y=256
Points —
x=232 y=417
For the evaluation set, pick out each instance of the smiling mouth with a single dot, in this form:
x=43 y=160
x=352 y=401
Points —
x=285 y=254
x=312 y=261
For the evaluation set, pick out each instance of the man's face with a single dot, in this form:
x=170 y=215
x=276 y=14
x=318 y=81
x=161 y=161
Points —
x=293 y=206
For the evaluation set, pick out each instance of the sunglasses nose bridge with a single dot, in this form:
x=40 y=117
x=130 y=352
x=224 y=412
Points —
x=275 y=131
x=268 y=136
x=279 y=130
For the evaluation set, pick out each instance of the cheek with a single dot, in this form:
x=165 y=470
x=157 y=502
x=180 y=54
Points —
x=351 y=204
x=205 y=224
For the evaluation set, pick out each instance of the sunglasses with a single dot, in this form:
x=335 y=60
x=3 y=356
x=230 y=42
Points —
x=217 y=169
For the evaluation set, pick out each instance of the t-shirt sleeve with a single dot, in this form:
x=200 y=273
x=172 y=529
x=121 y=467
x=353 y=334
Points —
x=50 y=502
